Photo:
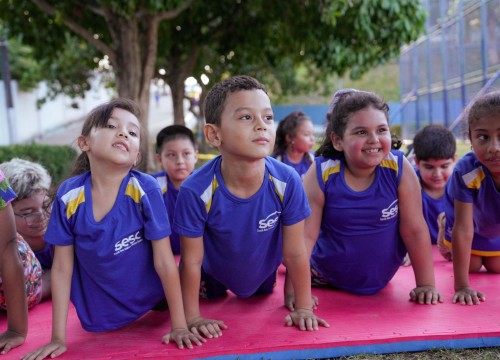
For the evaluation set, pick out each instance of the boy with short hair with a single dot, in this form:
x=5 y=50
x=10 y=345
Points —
x=435 y=156
x=31 y=182
x=176 y=153
x=243 y=212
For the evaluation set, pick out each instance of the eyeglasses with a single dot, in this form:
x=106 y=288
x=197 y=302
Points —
x=33 y=218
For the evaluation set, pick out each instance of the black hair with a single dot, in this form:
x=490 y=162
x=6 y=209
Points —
x=434 y=142
x=173 y=132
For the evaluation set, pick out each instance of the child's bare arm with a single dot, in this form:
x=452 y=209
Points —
x=415 y=234
x=296 y=261
x=13 y=283
x=168 y=273
x=61 y=273
x=190 y=272
x=462 y=234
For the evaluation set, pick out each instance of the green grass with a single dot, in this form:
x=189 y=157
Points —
x=439 y=354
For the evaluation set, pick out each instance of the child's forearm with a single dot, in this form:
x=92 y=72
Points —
x=172 y=288
x=190 y=280
x=298 y=271
x=14 y=290
x=61 y=287
x=461 y=259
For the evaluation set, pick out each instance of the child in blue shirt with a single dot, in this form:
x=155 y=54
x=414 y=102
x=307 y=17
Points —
x=176 y=152
x=435 y=155
x=366 y=204
x=294 y=142
x=472 y=200
x=243 y=212
x=110 y=229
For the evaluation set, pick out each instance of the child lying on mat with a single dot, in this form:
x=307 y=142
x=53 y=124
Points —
x=243 y=212
x=472 y=204
x=20 y=274
x=110 y=229
x=366 y=204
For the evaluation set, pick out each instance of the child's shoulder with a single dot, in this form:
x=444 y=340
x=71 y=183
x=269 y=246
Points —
x=204 y=175
x=279 y=170
x=143 y=180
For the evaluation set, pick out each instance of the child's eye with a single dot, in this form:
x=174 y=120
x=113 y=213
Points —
x=482 y=137
x=382 y=130
x=246 y=117
x=170 y=156
x=361 y=132
x=109 y=126
x=269 y=118
x=133 y=133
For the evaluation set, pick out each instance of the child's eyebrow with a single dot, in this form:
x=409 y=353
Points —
x=246 y=108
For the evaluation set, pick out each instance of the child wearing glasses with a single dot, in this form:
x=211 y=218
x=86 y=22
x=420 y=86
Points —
x=176 y=152
x=20 y=274
x=31 y=182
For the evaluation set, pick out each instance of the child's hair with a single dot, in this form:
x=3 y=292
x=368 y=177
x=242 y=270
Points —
x=25 y=177
x=288 y=126
x=173 y=132
x=434 y=142
x=344 y=104
x=485 y=105
x=216 y=97
x=98 y=118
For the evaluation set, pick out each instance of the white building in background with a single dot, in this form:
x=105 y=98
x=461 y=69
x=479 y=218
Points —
x=31 y=123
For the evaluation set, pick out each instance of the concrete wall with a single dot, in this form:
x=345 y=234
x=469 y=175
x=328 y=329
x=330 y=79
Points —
x=30 y=123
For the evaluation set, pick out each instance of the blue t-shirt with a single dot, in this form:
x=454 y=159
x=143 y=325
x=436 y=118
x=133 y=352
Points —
x=114 y=279
x=471 y=182
x=46 y=256
x=242 y=238
x=359 y=248
x=170 y=194
x=302 y=166
x=431 y=209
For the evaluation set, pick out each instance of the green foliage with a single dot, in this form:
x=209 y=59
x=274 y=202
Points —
x=58 y=160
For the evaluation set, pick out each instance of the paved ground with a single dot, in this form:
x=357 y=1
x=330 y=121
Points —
x=159 y=117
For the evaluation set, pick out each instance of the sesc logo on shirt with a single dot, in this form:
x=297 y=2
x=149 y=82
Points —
x=269 y=222
x=390 y=212
x=127 y=243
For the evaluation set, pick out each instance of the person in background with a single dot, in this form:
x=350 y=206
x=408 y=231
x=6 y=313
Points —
x=294 y=142
x=472 y=200
x=176 y=152
x=435 y=154
x=31 y=182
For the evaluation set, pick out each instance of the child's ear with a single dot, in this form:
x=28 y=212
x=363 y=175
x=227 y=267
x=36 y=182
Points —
x=336 y=142
x=158 y=158
x=212 y=135
x=82 y=143
x=195 y=156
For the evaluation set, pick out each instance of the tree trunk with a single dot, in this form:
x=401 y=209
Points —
x=135 y=51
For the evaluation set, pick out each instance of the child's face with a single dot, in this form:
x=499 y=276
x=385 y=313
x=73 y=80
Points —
x=178 y=158
x=31 y=216
x=435 y=172
x=247 y=125
x=118 y=142
x=303 y=139
x=367 y=139
x=485 y=140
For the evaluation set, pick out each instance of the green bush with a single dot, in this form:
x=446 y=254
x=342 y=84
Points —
x=58 y=160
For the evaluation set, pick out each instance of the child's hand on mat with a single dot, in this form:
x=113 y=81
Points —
x=208 y=328
x=426 y=295
x=290 y=301
x=468 y=296
x=52 y=350
x=183 y=336
x=9 y=340
x=304 y=319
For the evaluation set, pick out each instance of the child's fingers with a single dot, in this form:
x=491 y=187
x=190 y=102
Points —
x=288 y=320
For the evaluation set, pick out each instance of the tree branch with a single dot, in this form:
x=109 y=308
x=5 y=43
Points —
x=166 y=15
x=76 y=28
